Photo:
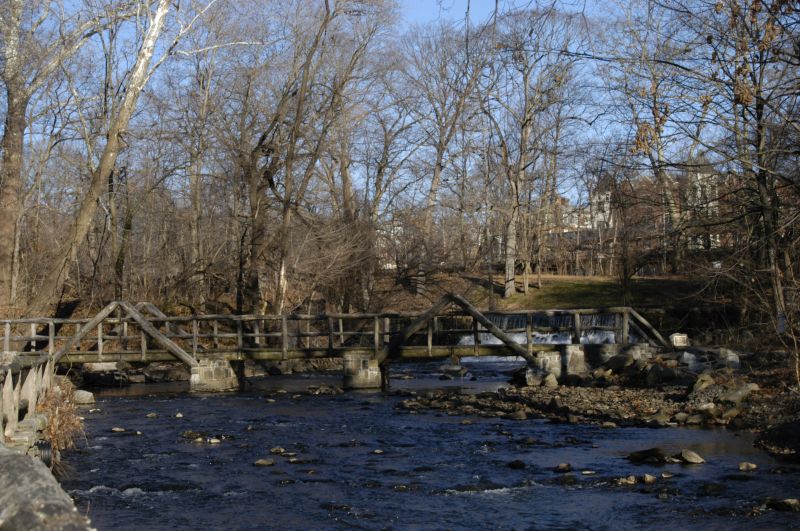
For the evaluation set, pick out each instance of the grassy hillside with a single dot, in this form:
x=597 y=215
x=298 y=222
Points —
x=669 y=303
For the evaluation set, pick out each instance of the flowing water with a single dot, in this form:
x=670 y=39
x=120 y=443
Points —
x=359 y=464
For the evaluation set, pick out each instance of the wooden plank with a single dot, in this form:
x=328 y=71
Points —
x=529 y=332
x=100 y=340
x=81 y=333
x=7 y=337
x=51 y=338
x=476 y=337
x=257 y=332
x=284 y=336
x=157 y=336
x=649 y=328
x=430 y=336
x=499 y=334
x=376 y=336
x=577 y=328
x=650 y=341
x=330 y=333
x=415 y=326
x=625 y=327
x=195 y=332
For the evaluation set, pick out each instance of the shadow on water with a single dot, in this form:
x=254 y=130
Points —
x=351 y=461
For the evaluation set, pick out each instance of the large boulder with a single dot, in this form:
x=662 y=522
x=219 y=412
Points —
x=620 y=362
x=82 y=397
x=31 y=498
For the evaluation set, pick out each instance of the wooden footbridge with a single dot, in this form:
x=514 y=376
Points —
x=141 y=333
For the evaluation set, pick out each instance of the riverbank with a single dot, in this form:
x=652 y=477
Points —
x=659 y=393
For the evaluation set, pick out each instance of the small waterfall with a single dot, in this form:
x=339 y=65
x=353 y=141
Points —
x=514 y=325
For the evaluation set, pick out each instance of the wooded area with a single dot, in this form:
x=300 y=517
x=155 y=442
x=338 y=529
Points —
x=259 y=156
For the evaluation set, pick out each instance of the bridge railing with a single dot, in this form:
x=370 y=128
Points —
x=120 y=337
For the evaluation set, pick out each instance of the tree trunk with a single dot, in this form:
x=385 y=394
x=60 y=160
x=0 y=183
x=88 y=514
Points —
x=51 y=290
x=511 y=253
x=11 y=194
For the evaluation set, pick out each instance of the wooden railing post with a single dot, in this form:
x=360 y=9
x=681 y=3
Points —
x=284 y=337
x=195 y=331
x=257 y=332
x=239 y=335
x=215 y=333
x=7 y=337
x=330 y=334
x=143 y=344
x=576 y=328
x=529 y=332
x=51 y=338
x=341 y=332
x=625 y=327
x=476 y=337
x=376 y=335
x=100 y=340
x=430 y=337
x=33 y=337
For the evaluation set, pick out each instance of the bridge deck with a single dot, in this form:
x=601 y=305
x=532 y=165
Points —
x=405 y=353
x=122 y=332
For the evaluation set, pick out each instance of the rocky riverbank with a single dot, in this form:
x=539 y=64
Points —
x=661 y=392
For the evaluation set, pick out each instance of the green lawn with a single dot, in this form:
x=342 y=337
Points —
x=586 y=292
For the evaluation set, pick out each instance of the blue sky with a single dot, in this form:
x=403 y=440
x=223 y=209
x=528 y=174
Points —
x=422 y=11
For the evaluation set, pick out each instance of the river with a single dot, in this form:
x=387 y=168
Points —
x=358 y=463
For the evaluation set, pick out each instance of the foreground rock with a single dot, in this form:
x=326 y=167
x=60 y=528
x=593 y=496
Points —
x=32 y=499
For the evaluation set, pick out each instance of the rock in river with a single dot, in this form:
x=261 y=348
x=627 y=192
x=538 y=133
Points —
x=688 y=456
x=651 y=455
x=82 y=397
x=789 y=505
x=563 y=468
x=518 y=415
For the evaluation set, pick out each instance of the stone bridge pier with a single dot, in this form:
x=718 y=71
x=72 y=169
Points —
x=213 y=376
x=361 y=371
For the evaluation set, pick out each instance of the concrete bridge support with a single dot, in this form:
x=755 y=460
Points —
x=213 y=376
x=361 y=371
x=567 y=360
